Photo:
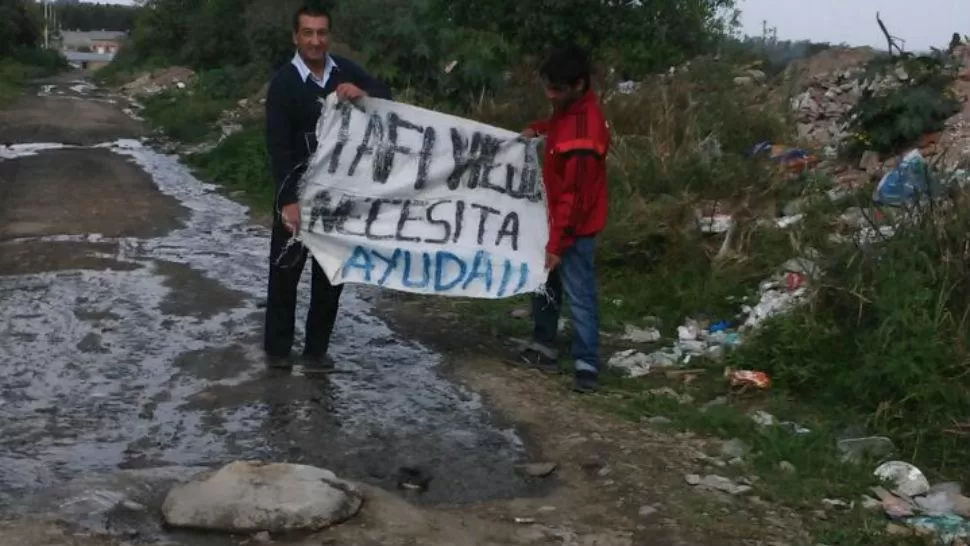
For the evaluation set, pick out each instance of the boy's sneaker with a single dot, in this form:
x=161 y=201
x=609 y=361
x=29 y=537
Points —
x=585 y=382
x=539 y=360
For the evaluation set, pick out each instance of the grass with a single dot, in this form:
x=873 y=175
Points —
x=186 y=118
x=819 y=472
x=13 y=76
x=24 y=65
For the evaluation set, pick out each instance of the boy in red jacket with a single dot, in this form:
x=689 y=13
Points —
x=574 y=170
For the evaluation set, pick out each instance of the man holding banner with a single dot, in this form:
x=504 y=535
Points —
x=293 y=106
x=574 y=171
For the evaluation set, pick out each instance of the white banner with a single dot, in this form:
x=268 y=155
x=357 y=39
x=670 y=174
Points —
x=419 y=201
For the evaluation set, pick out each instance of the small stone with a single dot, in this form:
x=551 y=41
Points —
x=786 y=466
x=870 y=503
x=520 y=313
x=133 y=506
x=692 y=479
x=659 y=420
x=547 y=509
x=262 y=538
x=647 y=511
x=744 y=81
x=538 y=470
x=870 y=162
x=720 y=483
x=733 y=449
x=758 y=75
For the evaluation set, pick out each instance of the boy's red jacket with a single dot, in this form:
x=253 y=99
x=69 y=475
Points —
x=577 y=141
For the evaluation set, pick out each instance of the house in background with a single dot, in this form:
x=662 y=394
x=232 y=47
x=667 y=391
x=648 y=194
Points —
x=90 y=49
x=84 y=60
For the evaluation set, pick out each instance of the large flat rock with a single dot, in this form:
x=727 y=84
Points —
x=254 y=496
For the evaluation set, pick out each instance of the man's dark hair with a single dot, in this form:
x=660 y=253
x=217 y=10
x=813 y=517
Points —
x=564 y=66
x=313 y=10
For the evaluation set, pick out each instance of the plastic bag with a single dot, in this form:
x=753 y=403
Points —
x=901 y=186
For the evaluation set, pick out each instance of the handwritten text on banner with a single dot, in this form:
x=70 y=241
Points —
x=414 y=200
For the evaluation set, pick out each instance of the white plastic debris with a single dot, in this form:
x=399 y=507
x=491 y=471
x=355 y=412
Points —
x=773 y=302
x=693 y=347
x=717 y=223
x=633 y=362
x=802 y=265
x=689 y=331
x=763 y=418
x=907 y=479
x=639 y=335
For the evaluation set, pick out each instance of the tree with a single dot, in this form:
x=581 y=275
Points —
x=84 y=16
x=19 y=26
x=640 y=35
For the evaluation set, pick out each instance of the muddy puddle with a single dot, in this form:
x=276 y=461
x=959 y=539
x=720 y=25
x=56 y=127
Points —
x=155 y=363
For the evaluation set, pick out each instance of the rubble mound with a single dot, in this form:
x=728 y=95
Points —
x=956 y=136
x=825 y=87
x=151 y=83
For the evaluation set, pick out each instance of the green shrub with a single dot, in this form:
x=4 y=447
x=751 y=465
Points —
x=184 y=116
x=887 y=337
x=240 y=162
x=25 y=64
x=890 y=120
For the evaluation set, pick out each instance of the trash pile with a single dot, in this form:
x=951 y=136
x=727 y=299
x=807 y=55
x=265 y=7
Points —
x=918 y=509
x=152 y=83
x=700 y=338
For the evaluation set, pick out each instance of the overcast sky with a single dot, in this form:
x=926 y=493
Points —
x=922 y=23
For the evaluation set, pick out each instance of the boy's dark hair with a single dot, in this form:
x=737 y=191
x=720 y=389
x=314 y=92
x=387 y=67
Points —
x=313 y=10
x=567 y=65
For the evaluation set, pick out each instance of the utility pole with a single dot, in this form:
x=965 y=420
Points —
x=47 y=31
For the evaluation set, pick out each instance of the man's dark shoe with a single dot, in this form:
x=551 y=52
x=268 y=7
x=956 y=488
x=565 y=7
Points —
x=585 y=382
x=318 y=365
x=274 y=362
x=539 y=360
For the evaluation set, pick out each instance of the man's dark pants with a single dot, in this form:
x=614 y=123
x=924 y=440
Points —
x=286 y=267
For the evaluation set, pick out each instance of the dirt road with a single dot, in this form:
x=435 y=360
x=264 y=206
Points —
x=130 y=317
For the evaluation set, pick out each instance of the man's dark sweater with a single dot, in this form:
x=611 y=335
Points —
x=292 y=111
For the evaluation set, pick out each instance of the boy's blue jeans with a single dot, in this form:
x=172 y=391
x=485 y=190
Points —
x=576 y=277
